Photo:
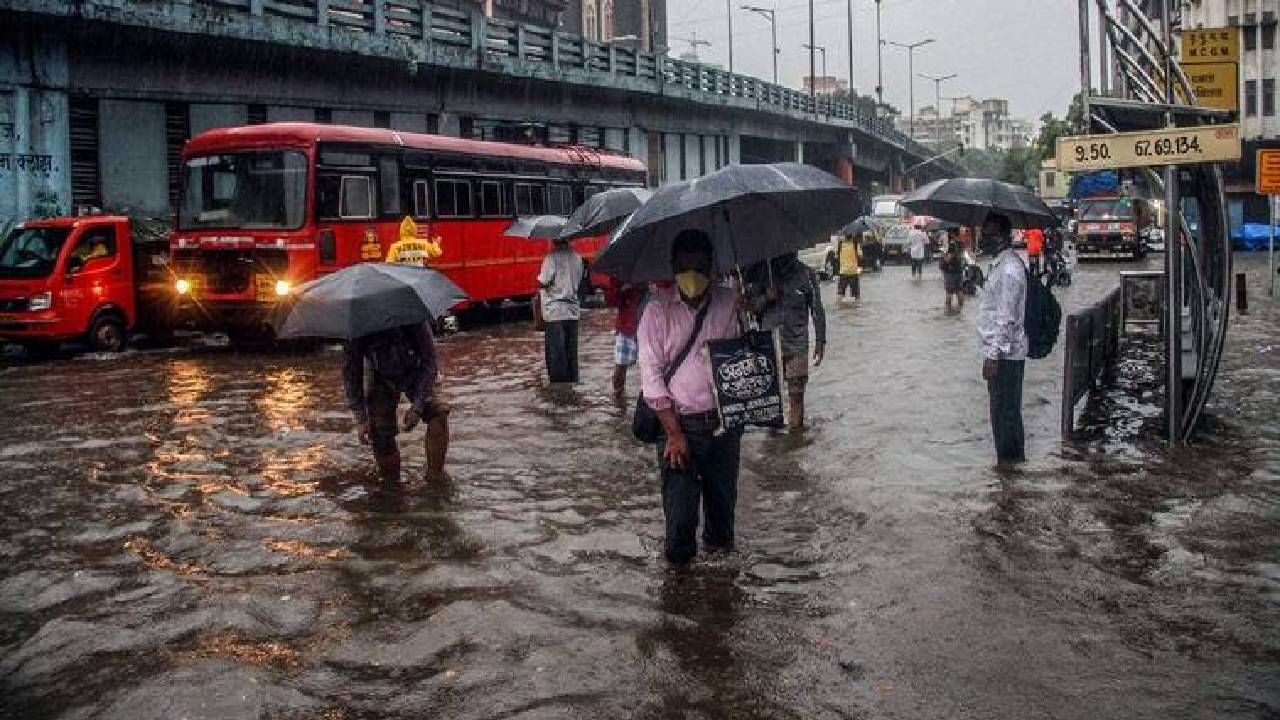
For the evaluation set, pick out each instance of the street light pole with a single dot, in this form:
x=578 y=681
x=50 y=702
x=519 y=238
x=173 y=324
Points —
x=813 y=70
x=813 y=82
x=911 y=75
x=728 y=6
x=851 y=91
x=937 y=107
x=880 y=62
x=772 y=17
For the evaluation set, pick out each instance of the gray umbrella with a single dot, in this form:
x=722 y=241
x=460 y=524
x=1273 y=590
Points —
x=968 y=201
x=368 y=298
x=536 y=227
x=862 y=225
x=603 y=212
x=751 y=213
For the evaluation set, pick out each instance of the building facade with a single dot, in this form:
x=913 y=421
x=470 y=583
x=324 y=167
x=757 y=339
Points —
x=642 y=23
x=825 y=85
x=1258 y=72
x=982 y=124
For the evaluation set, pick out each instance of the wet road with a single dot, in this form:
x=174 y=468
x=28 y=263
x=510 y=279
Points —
x=190 y=533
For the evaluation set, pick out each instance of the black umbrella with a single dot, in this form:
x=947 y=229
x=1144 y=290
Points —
x=750 y=212
x=862 y=225
x=968 y=201
x=368 y=298
x=536 y=227
x=603 y=211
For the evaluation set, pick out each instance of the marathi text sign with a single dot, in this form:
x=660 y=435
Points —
x=1210 y=45
x=747 y=375
x=1174 y=146
x=1214 y=84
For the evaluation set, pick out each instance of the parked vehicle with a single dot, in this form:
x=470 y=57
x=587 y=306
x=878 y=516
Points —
x=896 y=242
x=82 y=278
x=267 y=207
x=1111 y=227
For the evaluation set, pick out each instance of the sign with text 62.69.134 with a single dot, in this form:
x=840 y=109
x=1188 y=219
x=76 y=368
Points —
x=1172 y=146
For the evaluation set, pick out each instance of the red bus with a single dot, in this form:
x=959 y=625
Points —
x=266 y=207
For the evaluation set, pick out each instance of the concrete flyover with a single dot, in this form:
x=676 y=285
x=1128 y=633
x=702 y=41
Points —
x=96 y=96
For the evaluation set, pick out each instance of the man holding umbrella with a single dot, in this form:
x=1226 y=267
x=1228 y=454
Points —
x=558 y=283
x=1001 y=325
x=699 y=462
x=377 y=369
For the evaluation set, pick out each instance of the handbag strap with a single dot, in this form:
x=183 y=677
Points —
x=688 y=345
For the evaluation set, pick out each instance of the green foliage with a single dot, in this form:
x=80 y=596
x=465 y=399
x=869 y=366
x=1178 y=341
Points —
x=980 y=163
x=866 y=104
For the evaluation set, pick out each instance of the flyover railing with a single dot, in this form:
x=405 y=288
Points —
x=445 y=32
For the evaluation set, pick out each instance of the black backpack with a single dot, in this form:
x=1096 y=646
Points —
x=1042 y=318
x=392 y=355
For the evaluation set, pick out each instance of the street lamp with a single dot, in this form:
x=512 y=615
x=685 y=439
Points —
x=851 y=83
x=911 y=75
x=879 y=63
x=813 y=82
x=772 y=17
x=728 y=7
x=937 y=94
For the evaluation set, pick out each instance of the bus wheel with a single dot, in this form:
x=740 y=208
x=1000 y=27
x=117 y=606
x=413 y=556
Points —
x=107 y=334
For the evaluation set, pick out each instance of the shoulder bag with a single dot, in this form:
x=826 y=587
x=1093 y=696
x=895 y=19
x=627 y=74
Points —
x=645 y=425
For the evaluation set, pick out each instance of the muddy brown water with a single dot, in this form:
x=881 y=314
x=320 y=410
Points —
x=195 y=533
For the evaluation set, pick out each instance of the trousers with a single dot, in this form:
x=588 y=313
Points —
x=1005 y=392
x=710 y=479
x=560 y=344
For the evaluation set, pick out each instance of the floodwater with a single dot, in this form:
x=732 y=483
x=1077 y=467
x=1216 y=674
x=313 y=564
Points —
x=195 y=533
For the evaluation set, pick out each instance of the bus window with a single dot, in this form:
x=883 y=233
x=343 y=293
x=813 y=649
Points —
x=389 y=185
x=561 y=199
x=531 y=199
x=356 y=202
x=453 y=198
x=492 y=199
x=421 y=199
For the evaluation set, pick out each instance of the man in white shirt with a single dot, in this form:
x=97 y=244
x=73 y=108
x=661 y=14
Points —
x=919 y=240
x=558 y=282
x=1001 y=325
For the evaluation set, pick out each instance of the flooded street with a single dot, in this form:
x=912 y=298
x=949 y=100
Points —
x=193 y=533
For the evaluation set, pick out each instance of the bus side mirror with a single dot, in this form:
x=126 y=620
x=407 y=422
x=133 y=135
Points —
x=328 y=247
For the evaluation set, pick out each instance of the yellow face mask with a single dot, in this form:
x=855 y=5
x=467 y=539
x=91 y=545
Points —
x=692 y=283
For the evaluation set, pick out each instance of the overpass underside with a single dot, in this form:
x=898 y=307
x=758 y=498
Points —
x=95 y=112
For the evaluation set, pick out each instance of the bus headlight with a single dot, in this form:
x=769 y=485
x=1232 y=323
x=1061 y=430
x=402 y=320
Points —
x=283 y=287
x=183 y=286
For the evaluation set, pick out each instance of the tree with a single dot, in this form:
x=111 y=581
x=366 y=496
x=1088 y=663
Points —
x=981 y=163
x=1051 y=128
x=1020 y=166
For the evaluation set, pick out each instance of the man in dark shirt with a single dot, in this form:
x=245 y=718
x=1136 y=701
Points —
x=785 y=295
x=377 y=370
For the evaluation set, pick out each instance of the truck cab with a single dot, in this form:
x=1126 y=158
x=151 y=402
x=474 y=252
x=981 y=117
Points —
x=1111 y=227
x=81 y=278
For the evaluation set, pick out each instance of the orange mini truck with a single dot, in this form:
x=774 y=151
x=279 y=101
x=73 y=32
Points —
x=82 y=279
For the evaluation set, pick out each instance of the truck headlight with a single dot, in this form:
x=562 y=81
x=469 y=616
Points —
x=43 y=301
x=283 y=287
x=183 y=286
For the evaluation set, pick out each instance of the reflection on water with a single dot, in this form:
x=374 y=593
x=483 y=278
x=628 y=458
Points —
x=184 y=528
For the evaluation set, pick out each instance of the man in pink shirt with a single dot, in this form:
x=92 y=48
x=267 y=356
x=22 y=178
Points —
x=699 y=462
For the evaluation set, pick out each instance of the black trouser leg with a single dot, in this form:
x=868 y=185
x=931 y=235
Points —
x=710 y=479
x=571 y=348
x=1005 y=391
x=555 y=346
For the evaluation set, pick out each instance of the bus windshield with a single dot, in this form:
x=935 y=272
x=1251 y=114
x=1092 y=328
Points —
x=1112 y=209
x=31 y=252
x=250 y=190
x=885 y=208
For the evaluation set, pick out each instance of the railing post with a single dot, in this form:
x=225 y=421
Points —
x=520 y=42
x=637 y=54
x=256 y=7
x=613 y=59
x=322 y=13
x=479 y=25
x=428 y=15
x=555 y=50
x=379 y=17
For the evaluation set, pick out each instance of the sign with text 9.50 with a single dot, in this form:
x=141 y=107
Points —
x=1173 y=146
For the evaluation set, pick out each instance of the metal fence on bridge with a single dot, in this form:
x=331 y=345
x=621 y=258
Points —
x=445 y=32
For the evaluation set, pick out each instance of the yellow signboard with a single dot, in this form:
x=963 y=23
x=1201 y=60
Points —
x=1174 y=146
x=1210 y=45
x=1214 y=84
x=1268 y=172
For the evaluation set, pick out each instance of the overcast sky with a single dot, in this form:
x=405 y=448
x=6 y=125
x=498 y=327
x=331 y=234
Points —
x=1020 y=50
